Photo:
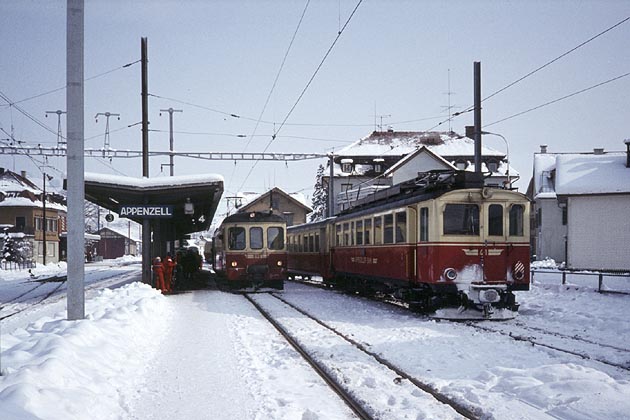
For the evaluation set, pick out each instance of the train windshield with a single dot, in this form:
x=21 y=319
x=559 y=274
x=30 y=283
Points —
x=236 y=238
x=275 y=238
x=256 y=238
x=461 y=219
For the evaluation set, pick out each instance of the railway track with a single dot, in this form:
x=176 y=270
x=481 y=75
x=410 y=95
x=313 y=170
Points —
x=341 y=381
x=564 y=343
x=35 y=296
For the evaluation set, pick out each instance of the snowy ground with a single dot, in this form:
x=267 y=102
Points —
x=210 y=355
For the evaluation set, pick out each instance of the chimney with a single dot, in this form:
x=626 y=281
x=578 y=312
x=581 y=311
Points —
x=627 y=141
x=598 y=151
x=23 y=173
x=543 y=148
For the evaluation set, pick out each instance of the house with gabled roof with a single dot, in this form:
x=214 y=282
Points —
x=24 y=211
x=377 y=162
x=290 y=206
x=581 y=203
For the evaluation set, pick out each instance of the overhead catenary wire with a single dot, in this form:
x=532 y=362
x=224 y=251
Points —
x=301 y=95
x=531 y=73
x=558 y=99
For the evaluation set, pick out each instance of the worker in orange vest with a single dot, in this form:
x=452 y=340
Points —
x=158 y=272
x=169 y=265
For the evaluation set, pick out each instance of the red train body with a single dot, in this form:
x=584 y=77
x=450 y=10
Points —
x=448 y=243
x=249 y=251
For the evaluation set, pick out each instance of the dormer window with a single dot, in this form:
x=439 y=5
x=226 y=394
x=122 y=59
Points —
x=460 y=165
x=346 y=165
x=492 y=166
x=378 y=165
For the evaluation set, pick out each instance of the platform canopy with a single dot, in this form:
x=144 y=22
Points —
x=191 y=200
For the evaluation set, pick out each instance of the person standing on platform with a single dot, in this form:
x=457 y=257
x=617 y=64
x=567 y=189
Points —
x=169 y=265
x=158 y=273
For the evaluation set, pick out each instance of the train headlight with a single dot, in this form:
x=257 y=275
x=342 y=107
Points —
x=279 y=263
x=489 y=296
x=450 y=274
x=518 y=270
x=234 y=264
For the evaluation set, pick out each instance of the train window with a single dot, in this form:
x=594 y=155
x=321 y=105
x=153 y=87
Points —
x=401 y=226
x=255 y=238
x=461 y=219
x=359 y=232
x=424 y=224
x=311 y=243
x=388 y=231
x=495 y=220
x=275 y=238
x=316 y=242
x=378 y=233
x=516 y=220
x=346 y=234
x=236 y=238
x=367 y=223
x=338 y=235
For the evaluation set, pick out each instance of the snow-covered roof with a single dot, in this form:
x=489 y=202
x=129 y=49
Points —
x=246 y=198
x=605 y=173
x=17 y=191
x=161 y=182
x=399 y=143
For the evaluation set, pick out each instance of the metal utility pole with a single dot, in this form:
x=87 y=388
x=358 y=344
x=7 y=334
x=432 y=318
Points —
x=146 y=224
x=477 y=67
x=60 y=140
x=331 y=187
x=75 y=160
x=107 y=115
x=170 y=124
x=44 y=179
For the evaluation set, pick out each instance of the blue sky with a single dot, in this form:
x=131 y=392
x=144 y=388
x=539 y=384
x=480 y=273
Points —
x=394 y=58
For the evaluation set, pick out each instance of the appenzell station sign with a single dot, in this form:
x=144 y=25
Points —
x=146 y=211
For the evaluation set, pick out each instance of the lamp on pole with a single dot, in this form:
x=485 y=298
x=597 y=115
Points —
x=507 y=158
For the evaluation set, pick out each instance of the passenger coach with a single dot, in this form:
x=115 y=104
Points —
x=249 y=251
x=448 y=242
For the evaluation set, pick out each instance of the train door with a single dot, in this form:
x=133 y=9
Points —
x=412 y=236
x=493 y=253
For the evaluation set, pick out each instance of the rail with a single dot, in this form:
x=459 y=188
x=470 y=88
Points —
x=594 y=277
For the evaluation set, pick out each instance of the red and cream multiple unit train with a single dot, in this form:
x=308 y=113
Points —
x=249 y=251
x=442 y=243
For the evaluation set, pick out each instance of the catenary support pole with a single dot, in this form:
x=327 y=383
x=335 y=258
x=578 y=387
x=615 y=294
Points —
x=331 y=187
x=146 y=225
x=170 y=125
x=477 y=93
x=75 y=161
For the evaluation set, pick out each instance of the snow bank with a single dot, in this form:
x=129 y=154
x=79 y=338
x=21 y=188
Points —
x=59 y=369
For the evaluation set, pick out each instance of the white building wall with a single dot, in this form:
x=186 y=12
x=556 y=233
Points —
x=551 y=233
x=599 y=232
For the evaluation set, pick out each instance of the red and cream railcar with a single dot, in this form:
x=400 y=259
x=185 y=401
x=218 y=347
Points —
x=309 y=250
x=249 y=251
x=440 y=246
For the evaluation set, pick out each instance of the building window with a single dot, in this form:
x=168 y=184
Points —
x=492 y=166
x=495 y=220
x=346 y=187
x=461 y=219
x=20 y=223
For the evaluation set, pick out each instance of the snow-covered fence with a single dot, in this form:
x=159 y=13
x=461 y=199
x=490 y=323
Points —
x=602 y=281
x=15 y=265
